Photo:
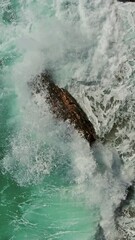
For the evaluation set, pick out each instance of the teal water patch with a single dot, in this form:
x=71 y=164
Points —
x=9 y=14
x=10 y=10
x=48 y=209
x=11 y=195
x=44 y=212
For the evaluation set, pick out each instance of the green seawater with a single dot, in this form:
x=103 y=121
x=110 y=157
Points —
x=45 y=210
x=48 y=208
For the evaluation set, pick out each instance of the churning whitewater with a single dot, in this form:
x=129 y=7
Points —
x=53 y=184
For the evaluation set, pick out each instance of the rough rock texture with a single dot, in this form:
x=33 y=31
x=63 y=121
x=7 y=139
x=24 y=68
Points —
x=64 y=106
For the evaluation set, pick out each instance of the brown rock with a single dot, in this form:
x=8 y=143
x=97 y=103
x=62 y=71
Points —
x=64 y=106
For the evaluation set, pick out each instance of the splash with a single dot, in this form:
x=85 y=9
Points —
x=88 y=46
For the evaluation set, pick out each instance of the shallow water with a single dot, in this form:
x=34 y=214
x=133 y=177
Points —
x=53 y=186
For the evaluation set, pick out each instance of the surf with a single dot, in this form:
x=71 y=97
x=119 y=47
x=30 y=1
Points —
x=51 y=185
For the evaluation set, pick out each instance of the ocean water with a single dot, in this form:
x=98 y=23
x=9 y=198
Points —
x=53 y=186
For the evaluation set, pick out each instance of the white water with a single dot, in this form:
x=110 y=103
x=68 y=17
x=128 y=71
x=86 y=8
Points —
x=89 y=46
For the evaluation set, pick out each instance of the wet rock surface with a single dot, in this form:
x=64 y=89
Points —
x=64 y=106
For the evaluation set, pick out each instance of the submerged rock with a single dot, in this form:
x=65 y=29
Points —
x=100 y=234
x=64 y=106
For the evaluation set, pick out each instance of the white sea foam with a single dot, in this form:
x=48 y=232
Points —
x=89 y=46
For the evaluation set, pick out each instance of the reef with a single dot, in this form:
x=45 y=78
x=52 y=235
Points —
x=64 y=106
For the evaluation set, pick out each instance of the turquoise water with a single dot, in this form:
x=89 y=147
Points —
x=45 y=211
x=53 y=186
x=45 y=208
x=38 y=191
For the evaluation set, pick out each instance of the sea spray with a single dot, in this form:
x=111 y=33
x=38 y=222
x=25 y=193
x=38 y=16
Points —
x=87 y=45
